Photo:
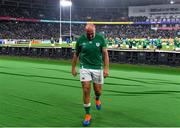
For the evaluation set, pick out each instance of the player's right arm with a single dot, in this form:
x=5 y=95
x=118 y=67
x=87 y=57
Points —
x=75 y=59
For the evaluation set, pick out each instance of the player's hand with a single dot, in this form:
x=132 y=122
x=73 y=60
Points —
x=74 y=73
x=106 y=73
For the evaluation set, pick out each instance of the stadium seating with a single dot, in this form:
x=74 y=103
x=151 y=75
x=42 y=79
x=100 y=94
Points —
x=28 y=30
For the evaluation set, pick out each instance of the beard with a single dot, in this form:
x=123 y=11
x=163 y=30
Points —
x=90 y=36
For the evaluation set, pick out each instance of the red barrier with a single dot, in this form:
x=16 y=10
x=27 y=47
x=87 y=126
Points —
x=19 y=19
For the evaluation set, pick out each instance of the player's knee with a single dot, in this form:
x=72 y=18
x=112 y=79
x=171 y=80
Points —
x=97 y=90
x=86 y=90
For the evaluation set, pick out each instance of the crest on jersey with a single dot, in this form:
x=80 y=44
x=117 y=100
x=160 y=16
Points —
x=98 y=44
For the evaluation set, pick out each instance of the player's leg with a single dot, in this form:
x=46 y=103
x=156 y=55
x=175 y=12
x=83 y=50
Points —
x=98 y=92
x=85 y=78
x=86 y=85
x=98 y=81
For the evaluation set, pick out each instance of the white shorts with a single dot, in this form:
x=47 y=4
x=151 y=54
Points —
x=92 y=75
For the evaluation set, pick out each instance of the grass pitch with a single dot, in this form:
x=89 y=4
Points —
x=43 y=93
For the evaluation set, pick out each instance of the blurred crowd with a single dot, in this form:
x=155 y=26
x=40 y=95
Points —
x=28 y=30
x=32 y=30
x=77 y=15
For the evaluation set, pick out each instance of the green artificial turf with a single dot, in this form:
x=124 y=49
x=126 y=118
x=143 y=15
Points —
x=43 y=93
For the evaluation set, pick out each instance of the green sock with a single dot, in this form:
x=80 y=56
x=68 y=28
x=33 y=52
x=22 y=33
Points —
x=87 y=108
x=97 y=96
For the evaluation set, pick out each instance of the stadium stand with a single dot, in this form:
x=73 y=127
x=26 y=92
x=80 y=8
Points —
x=27 y=30
x=140 y=33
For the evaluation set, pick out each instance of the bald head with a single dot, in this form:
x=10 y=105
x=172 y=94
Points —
x=90 y=30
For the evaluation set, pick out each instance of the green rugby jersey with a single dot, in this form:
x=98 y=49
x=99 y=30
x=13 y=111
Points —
x=159 y=42
x=90 y=51
x=176 y=42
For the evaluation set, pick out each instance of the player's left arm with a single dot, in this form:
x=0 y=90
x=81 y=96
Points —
x=105 y=58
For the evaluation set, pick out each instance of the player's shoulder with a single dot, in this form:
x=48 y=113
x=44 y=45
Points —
x=100 y=36
x=82 y=37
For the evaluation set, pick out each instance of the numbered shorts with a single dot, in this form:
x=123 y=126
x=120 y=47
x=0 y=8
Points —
x=96 y=76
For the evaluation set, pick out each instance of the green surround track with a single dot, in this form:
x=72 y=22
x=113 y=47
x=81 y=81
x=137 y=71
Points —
x=43 y=93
